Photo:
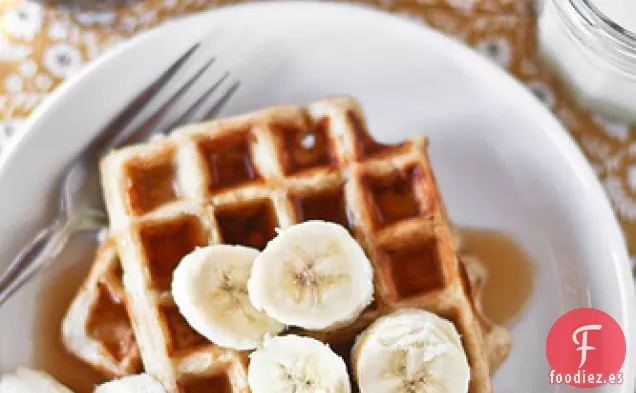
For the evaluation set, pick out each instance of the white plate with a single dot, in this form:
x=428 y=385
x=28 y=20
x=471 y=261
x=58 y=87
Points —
x=502 y=160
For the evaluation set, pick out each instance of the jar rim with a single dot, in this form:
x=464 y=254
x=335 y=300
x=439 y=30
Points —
x=608 y=36
x=596 y=18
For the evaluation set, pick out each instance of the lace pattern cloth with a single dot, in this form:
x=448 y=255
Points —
x=41 y=45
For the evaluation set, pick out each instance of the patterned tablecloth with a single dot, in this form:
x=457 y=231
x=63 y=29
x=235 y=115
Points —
x=41 y=45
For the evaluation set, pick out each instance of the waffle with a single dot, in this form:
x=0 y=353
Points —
x=112 y=350
x=236 y=180
x=497 y=338
x=96 y=327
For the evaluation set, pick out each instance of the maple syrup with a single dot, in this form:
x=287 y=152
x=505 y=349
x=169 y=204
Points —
x=150 y=183
x=182 y=336
x=250 y=225
x=365 y=145
x=328 y=205
x=415 y=269
x=343 y=347
x=392 y=197
x=109 y=324
x=510 y=272
x=166 y=243
x=304 y=149
x=50 y=354
x=219 y=383
x=228 y=160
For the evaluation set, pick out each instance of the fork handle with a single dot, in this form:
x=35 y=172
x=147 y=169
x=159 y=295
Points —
x=44 y=248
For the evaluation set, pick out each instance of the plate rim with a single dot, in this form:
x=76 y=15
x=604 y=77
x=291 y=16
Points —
x=561 y=138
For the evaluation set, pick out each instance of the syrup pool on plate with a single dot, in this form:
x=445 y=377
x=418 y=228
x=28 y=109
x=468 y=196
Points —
x=50 y=355
x=510 y=272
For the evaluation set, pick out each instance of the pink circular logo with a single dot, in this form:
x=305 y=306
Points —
x=586 y=348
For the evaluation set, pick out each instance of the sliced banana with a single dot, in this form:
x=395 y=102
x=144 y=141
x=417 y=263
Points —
x=210 y=289
x=26 y=380
x=142 y=383
x=313 y=275
x=297 y=364
x=410 y=351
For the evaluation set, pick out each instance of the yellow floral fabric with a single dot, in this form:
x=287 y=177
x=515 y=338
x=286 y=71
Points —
x=42 y=44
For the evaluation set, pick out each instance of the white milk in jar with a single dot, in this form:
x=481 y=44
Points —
x=592 y=45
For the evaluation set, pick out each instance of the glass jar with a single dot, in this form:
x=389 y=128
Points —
x=593 y=54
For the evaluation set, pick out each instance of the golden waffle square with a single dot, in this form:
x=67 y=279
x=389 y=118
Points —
x=96 y=327
x=236 y=180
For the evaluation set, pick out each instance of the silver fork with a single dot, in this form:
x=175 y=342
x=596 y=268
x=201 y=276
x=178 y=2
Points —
x=80 y=202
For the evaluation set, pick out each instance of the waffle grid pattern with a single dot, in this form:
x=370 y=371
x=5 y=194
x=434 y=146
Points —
x=236 y=180
x=97 y=328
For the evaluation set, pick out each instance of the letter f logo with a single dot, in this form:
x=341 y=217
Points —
x=583 y=344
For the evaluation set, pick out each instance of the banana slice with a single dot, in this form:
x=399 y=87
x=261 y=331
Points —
x=142 y=383
x=30 y=381
x=410 y=351
x=313 y=275
x=297 y=364
x=210 y=289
